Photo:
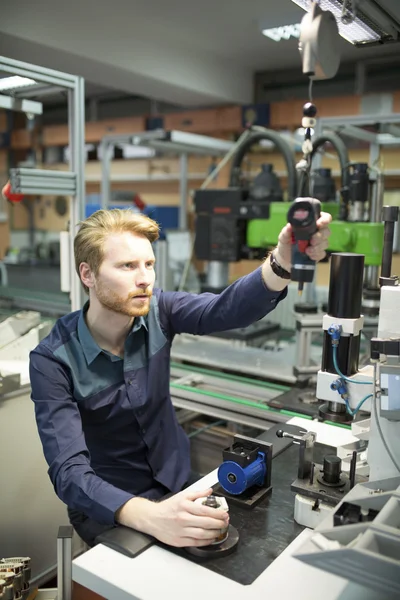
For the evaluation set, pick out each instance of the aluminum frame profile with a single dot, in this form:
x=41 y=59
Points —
x=171 y=141
x=76 y=123
x=21 y=105
x=42 y=181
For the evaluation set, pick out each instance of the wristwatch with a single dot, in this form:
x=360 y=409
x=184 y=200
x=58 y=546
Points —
x=277 y=269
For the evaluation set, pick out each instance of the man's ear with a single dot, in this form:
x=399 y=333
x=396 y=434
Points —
x=86 y=275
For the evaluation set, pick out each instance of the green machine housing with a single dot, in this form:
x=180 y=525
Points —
x=231 y=225
x=346 y=236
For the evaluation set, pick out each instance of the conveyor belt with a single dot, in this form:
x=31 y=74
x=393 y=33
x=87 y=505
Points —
x=229 y=397
x=275 y=364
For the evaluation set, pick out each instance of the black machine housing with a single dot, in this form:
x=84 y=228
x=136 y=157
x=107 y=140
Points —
x=221 y=222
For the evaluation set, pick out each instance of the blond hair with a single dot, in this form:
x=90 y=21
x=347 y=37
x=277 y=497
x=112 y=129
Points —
x=93 y=232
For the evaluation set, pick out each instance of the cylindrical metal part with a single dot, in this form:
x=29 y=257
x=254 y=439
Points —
x=217 y=274
x=336 y=407
x=387 y=249
x=9 y=578
x=25 y=561
x=345 y=285
x=357 y=212
x=216 y=502
x=16 y=568
x=390 y=215
x=332 y=468
x=359 y=183
x=377 y=199
x=371 y=279
x=353 y=466
x=3 y=586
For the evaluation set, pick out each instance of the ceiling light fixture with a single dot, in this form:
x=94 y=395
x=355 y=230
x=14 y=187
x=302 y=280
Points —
x=15 y=82
x=354 y=25
x=285 y=32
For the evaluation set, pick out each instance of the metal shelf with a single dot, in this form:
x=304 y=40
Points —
x=145 y=178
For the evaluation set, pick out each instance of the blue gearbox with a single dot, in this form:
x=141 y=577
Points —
x=236 y=479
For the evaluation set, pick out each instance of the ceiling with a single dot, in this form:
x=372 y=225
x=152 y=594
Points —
x=189 y=53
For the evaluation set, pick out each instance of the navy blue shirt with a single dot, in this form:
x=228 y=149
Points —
x=107 y=424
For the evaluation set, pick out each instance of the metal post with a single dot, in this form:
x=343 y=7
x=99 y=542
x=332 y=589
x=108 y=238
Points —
x=164 y=278
x=374 y=153
x=107 y=150
x=76 y=121
x=183 y=192
x=64 y=562
x=217 y=275
x=372 y=272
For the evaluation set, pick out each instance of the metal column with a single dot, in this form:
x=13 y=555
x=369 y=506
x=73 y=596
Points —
x=76 y=120
x=183 y=192
x=107 y=151
x=64 y=563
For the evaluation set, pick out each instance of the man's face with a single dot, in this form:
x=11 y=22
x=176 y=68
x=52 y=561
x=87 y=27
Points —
x=126 y=276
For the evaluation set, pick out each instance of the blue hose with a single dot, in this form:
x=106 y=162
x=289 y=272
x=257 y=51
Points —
x=338 y=371
x=359 y=405
x=335 y=331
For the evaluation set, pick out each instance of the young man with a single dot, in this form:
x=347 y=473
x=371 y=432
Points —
x=100 y=381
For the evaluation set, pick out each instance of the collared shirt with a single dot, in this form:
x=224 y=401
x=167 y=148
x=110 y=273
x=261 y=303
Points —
x=107 y=424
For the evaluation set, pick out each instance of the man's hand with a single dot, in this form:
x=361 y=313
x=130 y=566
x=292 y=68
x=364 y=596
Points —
x=177 y=521
x=283 y=251
x=316 y=249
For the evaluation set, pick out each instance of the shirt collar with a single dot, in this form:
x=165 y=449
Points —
x=90 y=348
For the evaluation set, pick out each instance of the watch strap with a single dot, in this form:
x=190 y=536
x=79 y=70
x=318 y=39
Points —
x=277 y=269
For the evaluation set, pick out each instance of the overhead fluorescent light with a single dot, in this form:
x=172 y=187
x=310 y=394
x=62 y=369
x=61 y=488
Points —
x=282 y=33
x=358 y=32
x=15 y=82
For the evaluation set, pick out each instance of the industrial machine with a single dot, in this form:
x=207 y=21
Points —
x=244 y=220
x=360 y=538
x=346 y=389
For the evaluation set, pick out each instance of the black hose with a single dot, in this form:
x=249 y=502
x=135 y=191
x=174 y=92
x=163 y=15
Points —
x=341 y=150
x=281 y=144
x=344 y=160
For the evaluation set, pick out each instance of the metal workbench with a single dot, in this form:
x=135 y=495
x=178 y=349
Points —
x=160 y=573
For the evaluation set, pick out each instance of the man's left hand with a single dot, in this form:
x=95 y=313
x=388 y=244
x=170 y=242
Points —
x=316 y=249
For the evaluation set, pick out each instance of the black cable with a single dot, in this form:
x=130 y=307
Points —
x=344 y=160
x=283 y=147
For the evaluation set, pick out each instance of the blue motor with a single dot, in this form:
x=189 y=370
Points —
x=236 y=479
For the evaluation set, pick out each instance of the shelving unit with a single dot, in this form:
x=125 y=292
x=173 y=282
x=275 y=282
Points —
x=173 y=142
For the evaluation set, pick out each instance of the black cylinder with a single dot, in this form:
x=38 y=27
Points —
x=348 y=353
x=359 y=182
x=344 y=302
x=346 y=285
x=323 y=186
x=332 y=469
x=387 y=249
x=389 y=216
